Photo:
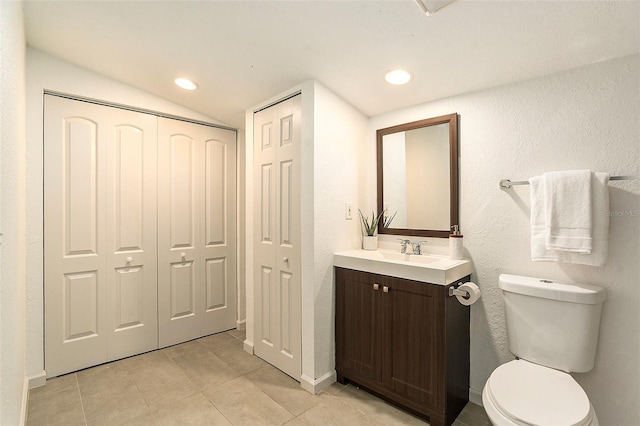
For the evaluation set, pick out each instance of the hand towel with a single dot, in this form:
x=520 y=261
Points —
x=600 y=225
x=568 y=217
x=539 y=252
x=600 y=229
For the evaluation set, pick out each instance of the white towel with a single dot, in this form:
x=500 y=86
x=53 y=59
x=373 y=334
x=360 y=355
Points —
x=600 y=225
x=539 y=252
x=567 y=199
x=600 y=229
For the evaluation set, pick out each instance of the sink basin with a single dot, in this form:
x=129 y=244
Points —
x=427 y=268
x=411 y=258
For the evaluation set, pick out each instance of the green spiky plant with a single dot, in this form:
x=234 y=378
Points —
x=371 y=224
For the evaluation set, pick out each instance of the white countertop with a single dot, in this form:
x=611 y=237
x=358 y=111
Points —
x=426 y=267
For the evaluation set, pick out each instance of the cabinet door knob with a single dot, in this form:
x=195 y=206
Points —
x=129 y=259
x=285 y=259
x=376 y=286
x=385 y=289
x=183 y=256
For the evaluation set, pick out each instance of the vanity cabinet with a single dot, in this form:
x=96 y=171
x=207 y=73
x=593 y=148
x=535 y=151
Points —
x=404 y=340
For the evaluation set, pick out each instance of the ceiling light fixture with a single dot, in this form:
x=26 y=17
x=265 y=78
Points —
x=398 y=77
x=185 y=83
x=430 y=7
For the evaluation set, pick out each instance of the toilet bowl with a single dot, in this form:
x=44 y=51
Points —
x=521 y=393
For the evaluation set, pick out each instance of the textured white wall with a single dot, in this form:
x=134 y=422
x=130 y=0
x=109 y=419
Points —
x=12 y=214
x=588 y=118
x=340 y=141
x=47 y=72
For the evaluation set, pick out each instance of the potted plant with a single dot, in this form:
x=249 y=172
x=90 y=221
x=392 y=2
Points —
x=370 y=225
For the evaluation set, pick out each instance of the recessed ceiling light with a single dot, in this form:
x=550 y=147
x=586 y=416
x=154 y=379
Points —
x=398 y=77
x=185 y=83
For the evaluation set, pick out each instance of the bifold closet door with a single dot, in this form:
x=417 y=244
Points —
x=277 y=251
x=196 y=230
x=100 y=234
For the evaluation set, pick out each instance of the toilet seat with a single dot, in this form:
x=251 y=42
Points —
x=524 y=393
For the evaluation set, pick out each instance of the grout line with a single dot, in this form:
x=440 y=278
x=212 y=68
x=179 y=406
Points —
x=84 y=416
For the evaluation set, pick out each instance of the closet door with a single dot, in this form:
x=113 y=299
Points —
x=277 y=300
x=100 y=234
x=196 y=230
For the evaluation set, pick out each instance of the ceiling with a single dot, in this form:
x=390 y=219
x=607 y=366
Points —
x=244 y=52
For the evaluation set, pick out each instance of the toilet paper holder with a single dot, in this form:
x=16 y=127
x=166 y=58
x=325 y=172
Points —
x=453 y=291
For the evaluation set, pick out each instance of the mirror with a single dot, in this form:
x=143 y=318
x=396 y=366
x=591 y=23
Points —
x=418 y=176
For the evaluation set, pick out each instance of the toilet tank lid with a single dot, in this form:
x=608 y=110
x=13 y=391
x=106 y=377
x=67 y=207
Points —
x=547 y=289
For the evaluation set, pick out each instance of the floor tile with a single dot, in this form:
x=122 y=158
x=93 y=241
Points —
x=242 y=403
x=473 y=415
x=55 y=385
x=241 y=361
x=208 y=381
x=211 y=342
x=205 y=369
x=194 y=410
x=283 y=389
x=376 y=407
x=238 y=334
x=331 y=411
x=58 y=408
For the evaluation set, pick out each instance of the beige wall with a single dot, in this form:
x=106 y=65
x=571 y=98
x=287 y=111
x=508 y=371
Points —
x=13 y=389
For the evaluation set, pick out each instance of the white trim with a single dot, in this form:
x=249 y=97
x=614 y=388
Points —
x=475 y=396
x=318 y=385
x=248 y=346
x=25 y=401
x=37 y=380
x=241 y=324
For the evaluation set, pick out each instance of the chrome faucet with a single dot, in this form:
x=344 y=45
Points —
x=417 y=247
x=403 y=245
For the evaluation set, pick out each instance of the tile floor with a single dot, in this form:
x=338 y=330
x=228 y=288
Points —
x=208 y=381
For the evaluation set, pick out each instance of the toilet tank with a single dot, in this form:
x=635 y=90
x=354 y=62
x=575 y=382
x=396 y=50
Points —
x=552 y=324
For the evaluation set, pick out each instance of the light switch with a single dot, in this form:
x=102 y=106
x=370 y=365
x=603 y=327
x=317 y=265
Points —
x=348 y=211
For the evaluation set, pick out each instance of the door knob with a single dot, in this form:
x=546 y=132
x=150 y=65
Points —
x=129 y=259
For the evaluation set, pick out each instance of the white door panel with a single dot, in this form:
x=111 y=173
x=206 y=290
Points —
x=131 y=222
x=108 y=234
x=98 y=306
x=277 y=253
x=196 y=231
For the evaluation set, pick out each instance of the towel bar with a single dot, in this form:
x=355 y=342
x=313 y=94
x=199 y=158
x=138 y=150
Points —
x=506 y=183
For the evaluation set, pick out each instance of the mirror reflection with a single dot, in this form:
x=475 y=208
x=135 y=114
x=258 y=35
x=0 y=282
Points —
x=417 y=176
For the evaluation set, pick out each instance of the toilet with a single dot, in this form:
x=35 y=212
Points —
x=552 y=329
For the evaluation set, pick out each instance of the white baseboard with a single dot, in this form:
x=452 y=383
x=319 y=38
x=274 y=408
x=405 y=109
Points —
x=37 y=380
x=318 y=385
x=248 y=346
x=25 y=401
x=241 y=324
x=475 y=396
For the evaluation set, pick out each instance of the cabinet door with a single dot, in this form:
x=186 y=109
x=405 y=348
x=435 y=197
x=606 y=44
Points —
x=413 y=342
x=358 y=323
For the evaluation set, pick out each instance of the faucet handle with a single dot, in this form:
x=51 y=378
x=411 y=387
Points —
x=417 y=247
x=403 y=244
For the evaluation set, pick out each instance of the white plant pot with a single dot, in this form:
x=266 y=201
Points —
x=370 y=242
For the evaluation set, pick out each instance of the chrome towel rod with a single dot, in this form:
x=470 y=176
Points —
x=506 y=183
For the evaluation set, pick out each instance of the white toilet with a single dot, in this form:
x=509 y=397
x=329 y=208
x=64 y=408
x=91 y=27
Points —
x=553 y=330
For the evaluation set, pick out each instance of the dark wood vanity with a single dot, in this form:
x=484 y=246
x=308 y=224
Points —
x=405 y=341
